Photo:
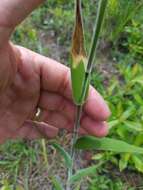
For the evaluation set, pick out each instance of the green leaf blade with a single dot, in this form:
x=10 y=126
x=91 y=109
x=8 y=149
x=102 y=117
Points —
x=78 y=77
x=98 y=25
x=64 y=154
x=106 y=144
x=82 y=173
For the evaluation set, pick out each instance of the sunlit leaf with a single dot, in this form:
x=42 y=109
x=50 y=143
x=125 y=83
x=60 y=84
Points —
x=107 y=144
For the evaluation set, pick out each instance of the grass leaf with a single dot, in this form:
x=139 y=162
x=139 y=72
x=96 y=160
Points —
x=77 y=76
x=82 y=173
x=107 y=144
x=64 y=154
x=79 y=59
x=98 y=25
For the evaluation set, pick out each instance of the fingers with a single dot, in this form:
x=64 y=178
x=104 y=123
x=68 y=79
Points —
x=88 y=126
x=55 y=78
x=60 y=121
x=30 y=130
x=54 y=102
x=2 y=140
x=56 y=89
x=33 y=130
x=4 y=35
x=95 y=128
x=95 y=106
x=4 y=135
x=56 y=119
x=60 y=113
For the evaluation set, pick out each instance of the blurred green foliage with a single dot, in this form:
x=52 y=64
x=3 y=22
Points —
x=102 y=182
x=122 y=35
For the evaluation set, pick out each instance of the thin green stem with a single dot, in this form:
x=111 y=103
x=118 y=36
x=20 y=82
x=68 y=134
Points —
x=45 y=155
x=74 y=139
x=98 y=24
x=94 y=43
x=76 y=129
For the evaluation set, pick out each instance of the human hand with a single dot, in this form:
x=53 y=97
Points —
x=29 y=81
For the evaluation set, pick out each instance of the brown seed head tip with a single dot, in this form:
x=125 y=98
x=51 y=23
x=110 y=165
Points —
x=77 y=59
x=78 y=50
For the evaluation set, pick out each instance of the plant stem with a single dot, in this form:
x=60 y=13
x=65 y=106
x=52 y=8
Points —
x=74 y=139
x=75 y=132
x=43 y=143
x=98 y=24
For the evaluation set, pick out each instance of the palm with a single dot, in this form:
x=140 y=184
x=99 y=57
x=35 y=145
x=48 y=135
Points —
x=20 y=95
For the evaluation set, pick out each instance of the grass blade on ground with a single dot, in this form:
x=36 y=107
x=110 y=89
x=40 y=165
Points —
x=82 y=173
x=64 y=154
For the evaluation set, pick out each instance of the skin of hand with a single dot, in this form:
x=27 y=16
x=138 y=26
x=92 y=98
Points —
x=29 y=81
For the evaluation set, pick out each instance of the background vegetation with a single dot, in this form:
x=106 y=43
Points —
x=118 y=76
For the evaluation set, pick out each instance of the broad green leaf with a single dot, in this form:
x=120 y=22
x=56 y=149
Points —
x=64 y=154
x=82 y=174
x=107 y=144
x=56 y=183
